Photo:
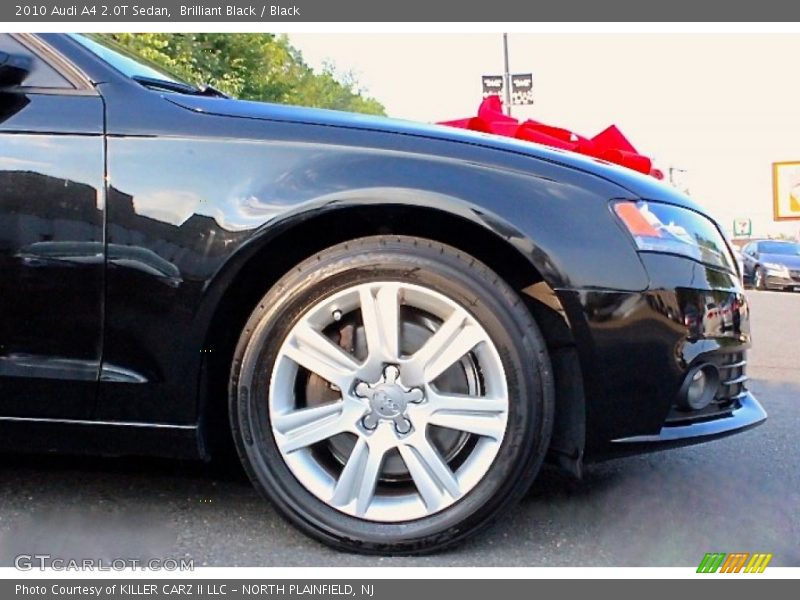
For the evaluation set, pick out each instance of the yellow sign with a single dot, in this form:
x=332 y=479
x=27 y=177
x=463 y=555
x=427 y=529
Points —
x=786 y=190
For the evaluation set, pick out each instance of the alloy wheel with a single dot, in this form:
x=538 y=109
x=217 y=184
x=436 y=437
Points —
x=388 y=401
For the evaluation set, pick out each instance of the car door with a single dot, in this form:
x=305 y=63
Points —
x=51 y=238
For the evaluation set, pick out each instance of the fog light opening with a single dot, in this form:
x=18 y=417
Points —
x=699 y=388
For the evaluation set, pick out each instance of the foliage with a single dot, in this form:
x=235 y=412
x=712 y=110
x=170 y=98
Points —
x=251 y=66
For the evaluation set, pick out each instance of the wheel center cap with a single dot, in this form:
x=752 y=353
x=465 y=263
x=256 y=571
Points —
x=388 y=400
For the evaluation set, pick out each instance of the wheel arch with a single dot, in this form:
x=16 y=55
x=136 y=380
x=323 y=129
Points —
x=273 y=253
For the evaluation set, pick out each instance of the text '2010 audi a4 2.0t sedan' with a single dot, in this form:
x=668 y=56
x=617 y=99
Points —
x=396 y=323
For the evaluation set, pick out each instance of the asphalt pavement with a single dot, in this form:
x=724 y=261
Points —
x=740 y=494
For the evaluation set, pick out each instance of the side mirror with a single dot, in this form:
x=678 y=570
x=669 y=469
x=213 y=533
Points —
x=13 y=69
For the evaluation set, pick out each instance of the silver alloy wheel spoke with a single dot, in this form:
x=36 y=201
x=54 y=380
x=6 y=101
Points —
x=436 y=483
x=315 y=352
x=471 y=414
x=307 y=426
x=380 y=311
x=457 y=336
x=359 y=476
x=388 y=403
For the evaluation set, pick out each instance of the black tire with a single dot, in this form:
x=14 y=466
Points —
x=760 y=279
x=458 y=276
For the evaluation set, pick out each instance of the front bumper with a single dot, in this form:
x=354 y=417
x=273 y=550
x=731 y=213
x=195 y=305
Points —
x=747 y=415
x=783 y=281
x=636 y=349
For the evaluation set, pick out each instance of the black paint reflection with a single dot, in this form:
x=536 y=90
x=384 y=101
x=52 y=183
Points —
x=46 y=298
x=11 y=104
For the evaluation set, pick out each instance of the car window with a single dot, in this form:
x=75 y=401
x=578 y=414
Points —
x=123 y=60
x=749 y=249
x=42 y=75
x=784 y=248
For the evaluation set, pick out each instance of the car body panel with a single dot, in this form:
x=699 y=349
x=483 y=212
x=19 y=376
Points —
x=51 y=190
x=221 y=200
x=641 y=186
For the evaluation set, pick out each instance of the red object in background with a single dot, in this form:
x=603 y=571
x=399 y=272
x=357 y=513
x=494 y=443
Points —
x=608 y=145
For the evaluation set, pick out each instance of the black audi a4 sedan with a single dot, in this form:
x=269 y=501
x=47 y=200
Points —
x=394 y=323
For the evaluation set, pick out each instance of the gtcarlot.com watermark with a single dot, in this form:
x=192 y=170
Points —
x=42 y=562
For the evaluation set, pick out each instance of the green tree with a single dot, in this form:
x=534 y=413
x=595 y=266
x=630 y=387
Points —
x=251 y=66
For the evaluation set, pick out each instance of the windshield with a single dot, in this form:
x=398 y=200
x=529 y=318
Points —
x=784 y=248
x=124 y=61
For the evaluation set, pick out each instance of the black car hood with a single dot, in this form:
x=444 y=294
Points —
x=641 y=186
x=792 y=262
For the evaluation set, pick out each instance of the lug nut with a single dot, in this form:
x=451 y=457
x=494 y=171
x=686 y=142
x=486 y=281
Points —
x=337 y=315
x=370 y=421
x=402 y=425
x=391 y=373
x=415 y=396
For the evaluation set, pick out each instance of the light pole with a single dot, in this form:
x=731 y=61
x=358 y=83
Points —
x=507 y=76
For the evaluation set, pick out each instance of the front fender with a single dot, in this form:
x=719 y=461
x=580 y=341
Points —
x=206 y=206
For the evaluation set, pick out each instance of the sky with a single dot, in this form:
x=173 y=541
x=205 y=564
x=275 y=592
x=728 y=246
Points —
x=720 y=106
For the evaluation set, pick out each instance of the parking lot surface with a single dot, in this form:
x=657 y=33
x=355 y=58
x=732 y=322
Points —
x=740 y=494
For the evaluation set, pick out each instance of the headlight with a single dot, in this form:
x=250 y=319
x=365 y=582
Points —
x=657 y=227
x=776 y=268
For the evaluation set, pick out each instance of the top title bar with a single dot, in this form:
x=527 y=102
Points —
x=497 y=11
